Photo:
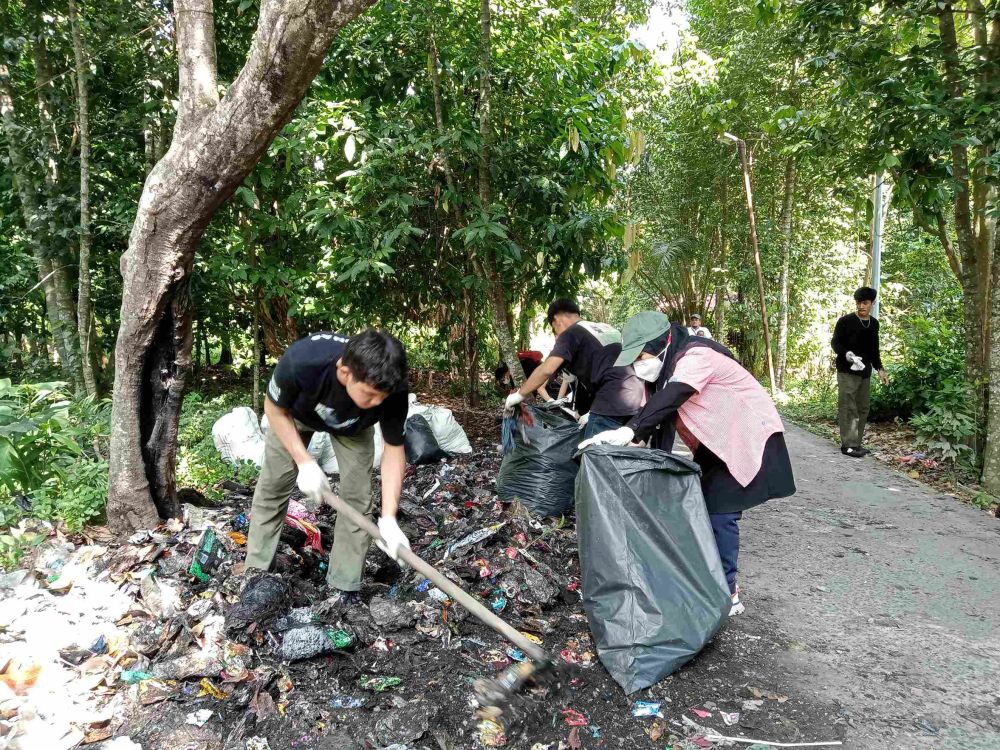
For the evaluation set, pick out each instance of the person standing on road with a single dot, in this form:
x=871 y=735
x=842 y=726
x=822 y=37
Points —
x=721 y=413
x=695 y=328
x=855 y=340
x=606 y=396
x=329 y=383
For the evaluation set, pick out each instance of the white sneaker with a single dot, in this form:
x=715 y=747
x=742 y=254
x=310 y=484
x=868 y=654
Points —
x=737 y=608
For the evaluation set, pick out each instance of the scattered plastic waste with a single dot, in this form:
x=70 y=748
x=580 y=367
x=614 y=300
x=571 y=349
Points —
x=491 y=734
x=646 y=708
x=199 y=718
x=346 y=701
x=131 y=677
x=379 y=684
x=207 y=556
x=574 y=718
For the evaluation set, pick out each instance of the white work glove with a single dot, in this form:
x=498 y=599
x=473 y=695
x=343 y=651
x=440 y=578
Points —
x=512 y=400
x=312 y=482
x=621 y=436
x=855 y=360
x=582 y=421
x=392 y=537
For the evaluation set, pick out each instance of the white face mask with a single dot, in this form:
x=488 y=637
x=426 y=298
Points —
x=649 y=369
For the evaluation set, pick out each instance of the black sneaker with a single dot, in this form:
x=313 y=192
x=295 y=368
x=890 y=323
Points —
x=854 y=452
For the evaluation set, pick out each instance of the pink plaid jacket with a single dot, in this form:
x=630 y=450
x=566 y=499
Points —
x=731 y=412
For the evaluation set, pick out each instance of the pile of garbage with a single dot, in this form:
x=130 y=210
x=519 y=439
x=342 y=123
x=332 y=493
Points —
x=163 y=641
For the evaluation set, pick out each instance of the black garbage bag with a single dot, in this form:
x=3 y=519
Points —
x=540 y=470
x=653 y=586
x=421 y=445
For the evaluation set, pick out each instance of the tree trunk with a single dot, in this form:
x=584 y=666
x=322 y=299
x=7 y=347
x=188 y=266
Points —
x=991 y=452
x=214 y=148
x=30 y=211
x=787 y=209
x=60 y=261
x=494 y=289
x=84 y=311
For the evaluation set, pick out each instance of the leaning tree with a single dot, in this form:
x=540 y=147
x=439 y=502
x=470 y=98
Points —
x=215 y=145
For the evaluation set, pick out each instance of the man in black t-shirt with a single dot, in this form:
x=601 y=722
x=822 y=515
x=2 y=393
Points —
x=327 y=382
x=607 y=396
x=855 y=340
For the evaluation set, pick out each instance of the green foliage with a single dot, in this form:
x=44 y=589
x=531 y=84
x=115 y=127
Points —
x=15 y=541
x=199 y=464
x=49 y=458
x=947 y=424
x=931 y=366
x=809 y=402
x=37 y=437
x=77 y=497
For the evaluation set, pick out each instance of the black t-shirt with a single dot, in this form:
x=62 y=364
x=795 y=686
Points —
x=305 y=382
x=851 y=334
x=589 y=351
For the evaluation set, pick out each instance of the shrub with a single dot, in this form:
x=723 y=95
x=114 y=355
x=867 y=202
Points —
x=76 y=497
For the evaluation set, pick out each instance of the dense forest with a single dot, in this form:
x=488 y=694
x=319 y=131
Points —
x=188 y=188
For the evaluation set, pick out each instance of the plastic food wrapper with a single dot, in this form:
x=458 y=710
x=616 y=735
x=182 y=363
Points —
x=207 y=556
x=421 y=445
x=540 y=470
x=653 y=586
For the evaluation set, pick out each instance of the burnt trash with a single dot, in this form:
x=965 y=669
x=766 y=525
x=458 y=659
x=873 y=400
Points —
x=263 y=597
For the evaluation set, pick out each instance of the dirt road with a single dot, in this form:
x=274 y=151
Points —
x=884 y=601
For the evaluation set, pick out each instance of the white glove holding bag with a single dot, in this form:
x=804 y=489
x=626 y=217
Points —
x=312 y=482
x=621 y=436
x=512 y=400
x=856 y=363
x=582 y=421
x=393 y=537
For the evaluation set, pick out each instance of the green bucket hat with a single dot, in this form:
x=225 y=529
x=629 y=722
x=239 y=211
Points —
x=638 y=331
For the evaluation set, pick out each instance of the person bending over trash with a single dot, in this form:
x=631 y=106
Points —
x=723 y=415
x=607 y=395
x=342 y=386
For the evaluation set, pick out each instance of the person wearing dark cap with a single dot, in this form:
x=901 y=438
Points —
x=855 y=340
x=606 y=395
x=698 y=390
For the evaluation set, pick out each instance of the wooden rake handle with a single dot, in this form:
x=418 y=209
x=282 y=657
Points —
x=453 y=590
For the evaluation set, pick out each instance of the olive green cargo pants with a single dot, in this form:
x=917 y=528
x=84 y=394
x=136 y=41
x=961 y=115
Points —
x=853 y=399
x=277 y=481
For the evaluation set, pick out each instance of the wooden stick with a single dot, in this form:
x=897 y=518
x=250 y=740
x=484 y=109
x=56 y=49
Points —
x=453 y=590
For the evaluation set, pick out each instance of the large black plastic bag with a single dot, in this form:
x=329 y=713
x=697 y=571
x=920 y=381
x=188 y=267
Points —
x=653 y=586
x=540 y=471
x=420 y=444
